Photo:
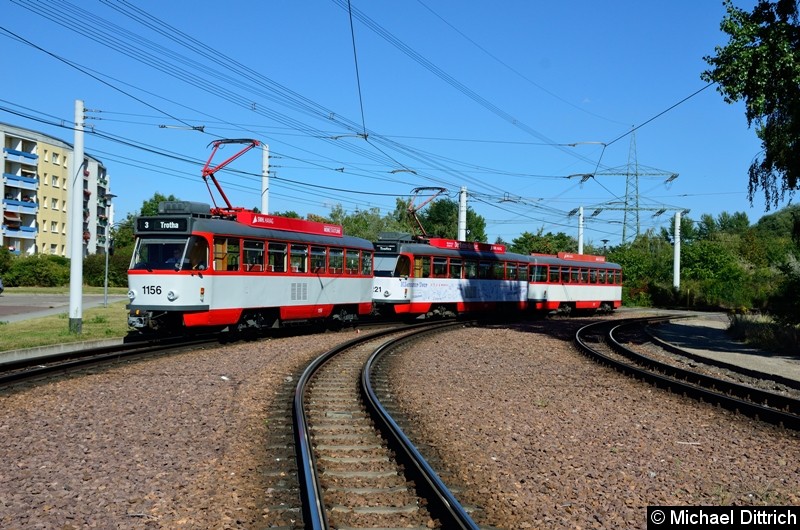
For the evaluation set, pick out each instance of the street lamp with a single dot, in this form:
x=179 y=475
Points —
x=605 y=242
x=108 y=197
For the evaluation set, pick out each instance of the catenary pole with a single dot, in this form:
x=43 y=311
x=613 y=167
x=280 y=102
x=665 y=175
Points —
x=462 y=214
x=264 y=179
x=676 y=260
x=76 y=227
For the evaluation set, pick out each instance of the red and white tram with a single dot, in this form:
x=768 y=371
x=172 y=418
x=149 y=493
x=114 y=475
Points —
x=569 y=282
x=442 y=277
x=190 y=270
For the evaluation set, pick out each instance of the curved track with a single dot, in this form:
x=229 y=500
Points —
x=598 y=341
x=348 y=473
x=12 y=372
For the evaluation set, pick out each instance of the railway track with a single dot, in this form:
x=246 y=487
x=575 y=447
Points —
x=24 y=369
x=356 y=467
x=600 y=341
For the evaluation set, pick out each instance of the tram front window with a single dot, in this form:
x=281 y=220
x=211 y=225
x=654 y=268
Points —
x=159 y=254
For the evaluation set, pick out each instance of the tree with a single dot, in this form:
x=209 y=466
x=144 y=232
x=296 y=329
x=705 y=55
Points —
x=761 y=65
x=440 y=219
x=288 y=213
x=150 y=206
x=541 y=243
x=646 y=268
x=688 y=231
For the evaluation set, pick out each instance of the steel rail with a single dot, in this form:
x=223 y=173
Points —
x=749 y=408
x=445 y=506
x=756 y=395
x=23 y=369
x=313 y=506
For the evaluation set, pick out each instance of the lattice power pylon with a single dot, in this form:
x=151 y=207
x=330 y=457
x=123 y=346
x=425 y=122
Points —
x=632 y=172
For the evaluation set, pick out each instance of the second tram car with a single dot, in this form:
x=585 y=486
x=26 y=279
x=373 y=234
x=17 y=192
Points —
x=574 y=282
x=442 y=277
x=191 y=270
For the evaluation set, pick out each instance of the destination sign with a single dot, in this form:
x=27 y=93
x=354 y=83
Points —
x=381 y=246
x=155 y=224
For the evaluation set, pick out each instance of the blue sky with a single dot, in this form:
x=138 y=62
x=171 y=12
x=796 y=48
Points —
x=510 y=99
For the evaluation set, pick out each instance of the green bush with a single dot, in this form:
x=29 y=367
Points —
x=5 y=260
x=94 y=269
x=39 y=270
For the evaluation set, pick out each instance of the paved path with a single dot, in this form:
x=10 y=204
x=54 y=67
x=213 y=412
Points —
x=15 y=307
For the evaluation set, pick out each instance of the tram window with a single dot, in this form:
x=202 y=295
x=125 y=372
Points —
x=253 y=255
x=366 y=263
x=564 y=274
x=511 y=271
x=161 y=254
x=584 y=275
x=455 y=268
x=298 y=256
x=470 y=269
x=336 y=261
x=539 y=273
x=555 y=274
x=277 y=257
x=618 y=277
x=522 y=272
x=351 y=261
x=422 y=266
x=601 y=276
x=440 y=267
x=498 y=270
x=198 y=253
x=226 y=254
x=484 y=269
x=575 y=275
x=318 y=258
x=592 y=275
x=403 y=267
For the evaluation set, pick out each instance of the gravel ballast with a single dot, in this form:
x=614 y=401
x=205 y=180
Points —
x=537 y=435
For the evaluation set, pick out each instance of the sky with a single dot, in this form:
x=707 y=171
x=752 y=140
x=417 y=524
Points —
x=537 y=108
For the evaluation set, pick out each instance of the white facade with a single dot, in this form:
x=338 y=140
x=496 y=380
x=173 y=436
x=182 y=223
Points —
x=35 y=195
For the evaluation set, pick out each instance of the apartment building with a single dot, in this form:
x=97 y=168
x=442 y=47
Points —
x=36 y=190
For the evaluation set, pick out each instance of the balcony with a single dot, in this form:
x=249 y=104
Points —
x=13 y=155
x=19 y=232
x=16 y=181
x=23 y=207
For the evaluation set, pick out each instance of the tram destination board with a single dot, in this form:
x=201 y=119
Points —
x=157 y=224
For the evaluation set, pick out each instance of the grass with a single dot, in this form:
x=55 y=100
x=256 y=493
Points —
x=97 y=323
x=762 y=332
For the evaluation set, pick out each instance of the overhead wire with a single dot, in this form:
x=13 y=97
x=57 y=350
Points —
x=286 y=98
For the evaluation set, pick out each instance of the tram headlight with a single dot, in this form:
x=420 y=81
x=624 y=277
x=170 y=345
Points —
x=131 y=294
x=172 y=296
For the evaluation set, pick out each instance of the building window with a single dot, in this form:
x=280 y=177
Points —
x=53 y=248
x=54 y=204
x=54 y=226
x=54 y=181
x=55 y=158
x=44 y=201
